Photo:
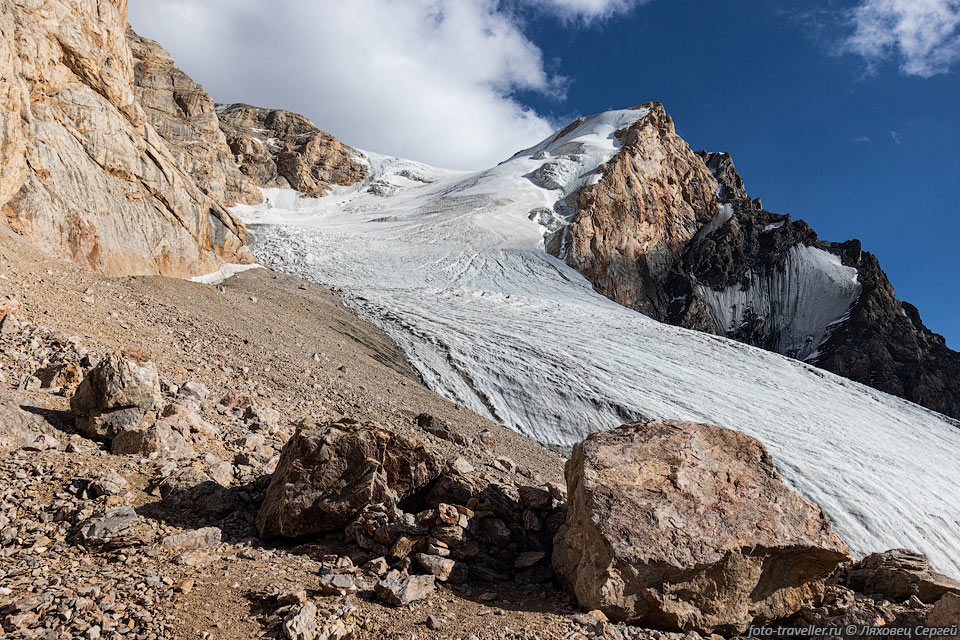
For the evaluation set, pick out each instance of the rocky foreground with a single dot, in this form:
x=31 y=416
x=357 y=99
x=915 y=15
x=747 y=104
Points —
x=250 y=460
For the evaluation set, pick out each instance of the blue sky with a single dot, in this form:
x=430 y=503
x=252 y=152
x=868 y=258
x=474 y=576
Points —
x=870 y=155
x=845 y=114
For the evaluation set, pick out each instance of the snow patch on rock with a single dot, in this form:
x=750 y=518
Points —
x=802 y=300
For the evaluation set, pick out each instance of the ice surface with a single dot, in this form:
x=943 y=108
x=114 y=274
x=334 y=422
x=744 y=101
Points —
x=224 y=272
x=800 y=300
x=447 y=264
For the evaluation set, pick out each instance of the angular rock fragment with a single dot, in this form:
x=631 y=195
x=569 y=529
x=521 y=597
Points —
x=116 y=395
x=690 y=527
x=327 y=476
x=116 y=528
x=400 y=591
x=896 y=575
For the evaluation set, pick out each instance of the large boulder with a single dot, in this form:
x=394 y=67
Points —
x=116 y=396
x=896 y=575
x=689 y=526
x=326 y=476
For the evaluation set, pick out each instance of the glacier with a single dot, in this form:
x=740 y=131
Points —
x=451 y=265
x=806 y=296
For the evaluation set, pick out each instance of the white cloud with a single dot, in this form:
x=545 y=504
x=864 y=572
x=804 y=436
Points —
x=587 y=9
x=433 y=80
x=923 y=35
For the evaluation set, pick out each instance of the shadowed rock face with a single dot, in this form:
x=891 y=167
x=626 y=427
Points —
x=879 y=341
x=689 y=527
x=282 y=149
x=85 y=174
x=674 y=234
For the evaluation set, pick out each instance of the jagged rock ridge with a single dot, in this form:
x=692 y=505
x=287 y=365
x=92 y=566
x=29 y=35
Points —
x=675 y=235
x=185 y=115
x=285 y=150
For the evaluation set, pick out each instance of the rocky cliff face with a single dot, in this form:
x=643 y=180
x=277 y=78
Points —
x=88 y=172
x=675 y=235
x=185 y=116
x=276 y=148
x=631 y=226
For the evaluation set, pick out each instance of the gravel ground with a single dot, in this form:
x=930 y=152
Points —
x=288 y=345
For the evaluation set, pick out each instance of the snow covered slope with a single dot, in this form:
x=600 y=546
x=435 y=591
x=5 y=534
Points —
x=450 y=265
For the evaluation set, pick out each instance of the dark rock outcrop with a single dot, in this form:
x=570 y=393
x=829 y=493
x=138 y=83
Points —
x=690 y=527
x=884 y=343
x=879 y=340
x=277 y=148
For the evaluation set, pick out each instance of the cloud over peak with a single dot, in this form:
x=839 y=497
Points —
x=432 y=80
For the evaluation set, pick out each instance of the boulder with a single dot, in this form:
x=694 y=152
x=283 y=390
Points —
x=105 y=484
x=194 y=390
x=115 y=396
x=440 y=568
x=301 y=624
x=337 y=584
x=689 y=527
x=19 y=427
x=196 y=540
x=116 y=528
x=159 y=438
x=946 y=612
x=326 y=476
x=400 y=591
x=896 y=575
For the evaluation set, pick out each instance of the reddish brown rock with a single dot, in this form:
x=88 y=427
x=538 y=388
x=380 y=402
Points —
x=689 y=526
x=946 y=612
x=282 y=149
x=897 y=575
x=632 y=225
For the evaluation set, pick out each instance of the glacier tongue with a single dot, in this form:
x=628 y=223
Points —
x=448 y=265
